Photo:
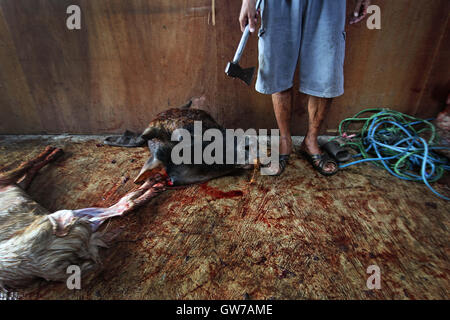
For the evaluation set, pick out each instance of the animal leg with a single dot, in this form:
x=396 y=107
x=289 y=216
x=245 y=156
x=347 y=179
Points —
x=13 y=176
x=150 y=189
x=25 y=182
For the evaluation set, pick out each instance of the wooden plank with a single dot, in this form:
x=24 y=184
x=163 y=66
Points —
x=17 y=107
x=133 y=59
x=437 y=88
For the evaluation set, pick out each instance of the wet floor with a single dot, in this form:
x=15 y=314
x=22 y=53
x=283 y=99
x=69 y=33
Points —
x=298 y=236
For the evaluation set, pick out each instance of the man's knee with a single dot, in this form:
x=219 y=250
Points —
x=282 y=93
x=320 y=100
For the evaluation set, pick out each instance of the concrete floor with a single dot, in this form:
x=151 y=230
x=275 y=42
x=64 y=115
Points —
x=298 y=236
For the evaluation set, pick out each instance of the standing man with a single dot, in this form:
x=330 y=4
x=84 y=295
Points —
x=311 y=32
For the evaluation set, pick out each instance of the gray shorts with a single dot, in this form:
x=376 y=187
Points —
x=308 y=31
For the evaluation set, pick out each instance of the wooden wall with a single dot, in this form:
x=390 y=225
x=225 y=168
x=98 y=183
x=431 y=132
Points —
x=134 y=58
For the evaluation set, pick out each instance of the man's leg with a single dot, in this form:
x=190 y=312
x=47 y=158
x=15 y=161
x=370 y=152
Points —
x=317 y=108
x=282 y=106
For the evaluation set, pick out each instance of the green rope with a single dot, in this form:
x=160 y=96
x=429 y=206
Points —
x=400 y=143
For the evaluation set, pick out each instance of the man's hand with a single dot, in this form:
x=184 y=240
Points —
x=360 y=11
x=248 y=15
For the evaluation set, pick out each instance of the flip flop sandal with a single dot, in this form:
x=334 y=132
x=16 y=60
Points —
x=129 y=139
x=282 y=162
x=334 y=149
x=323 y=159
